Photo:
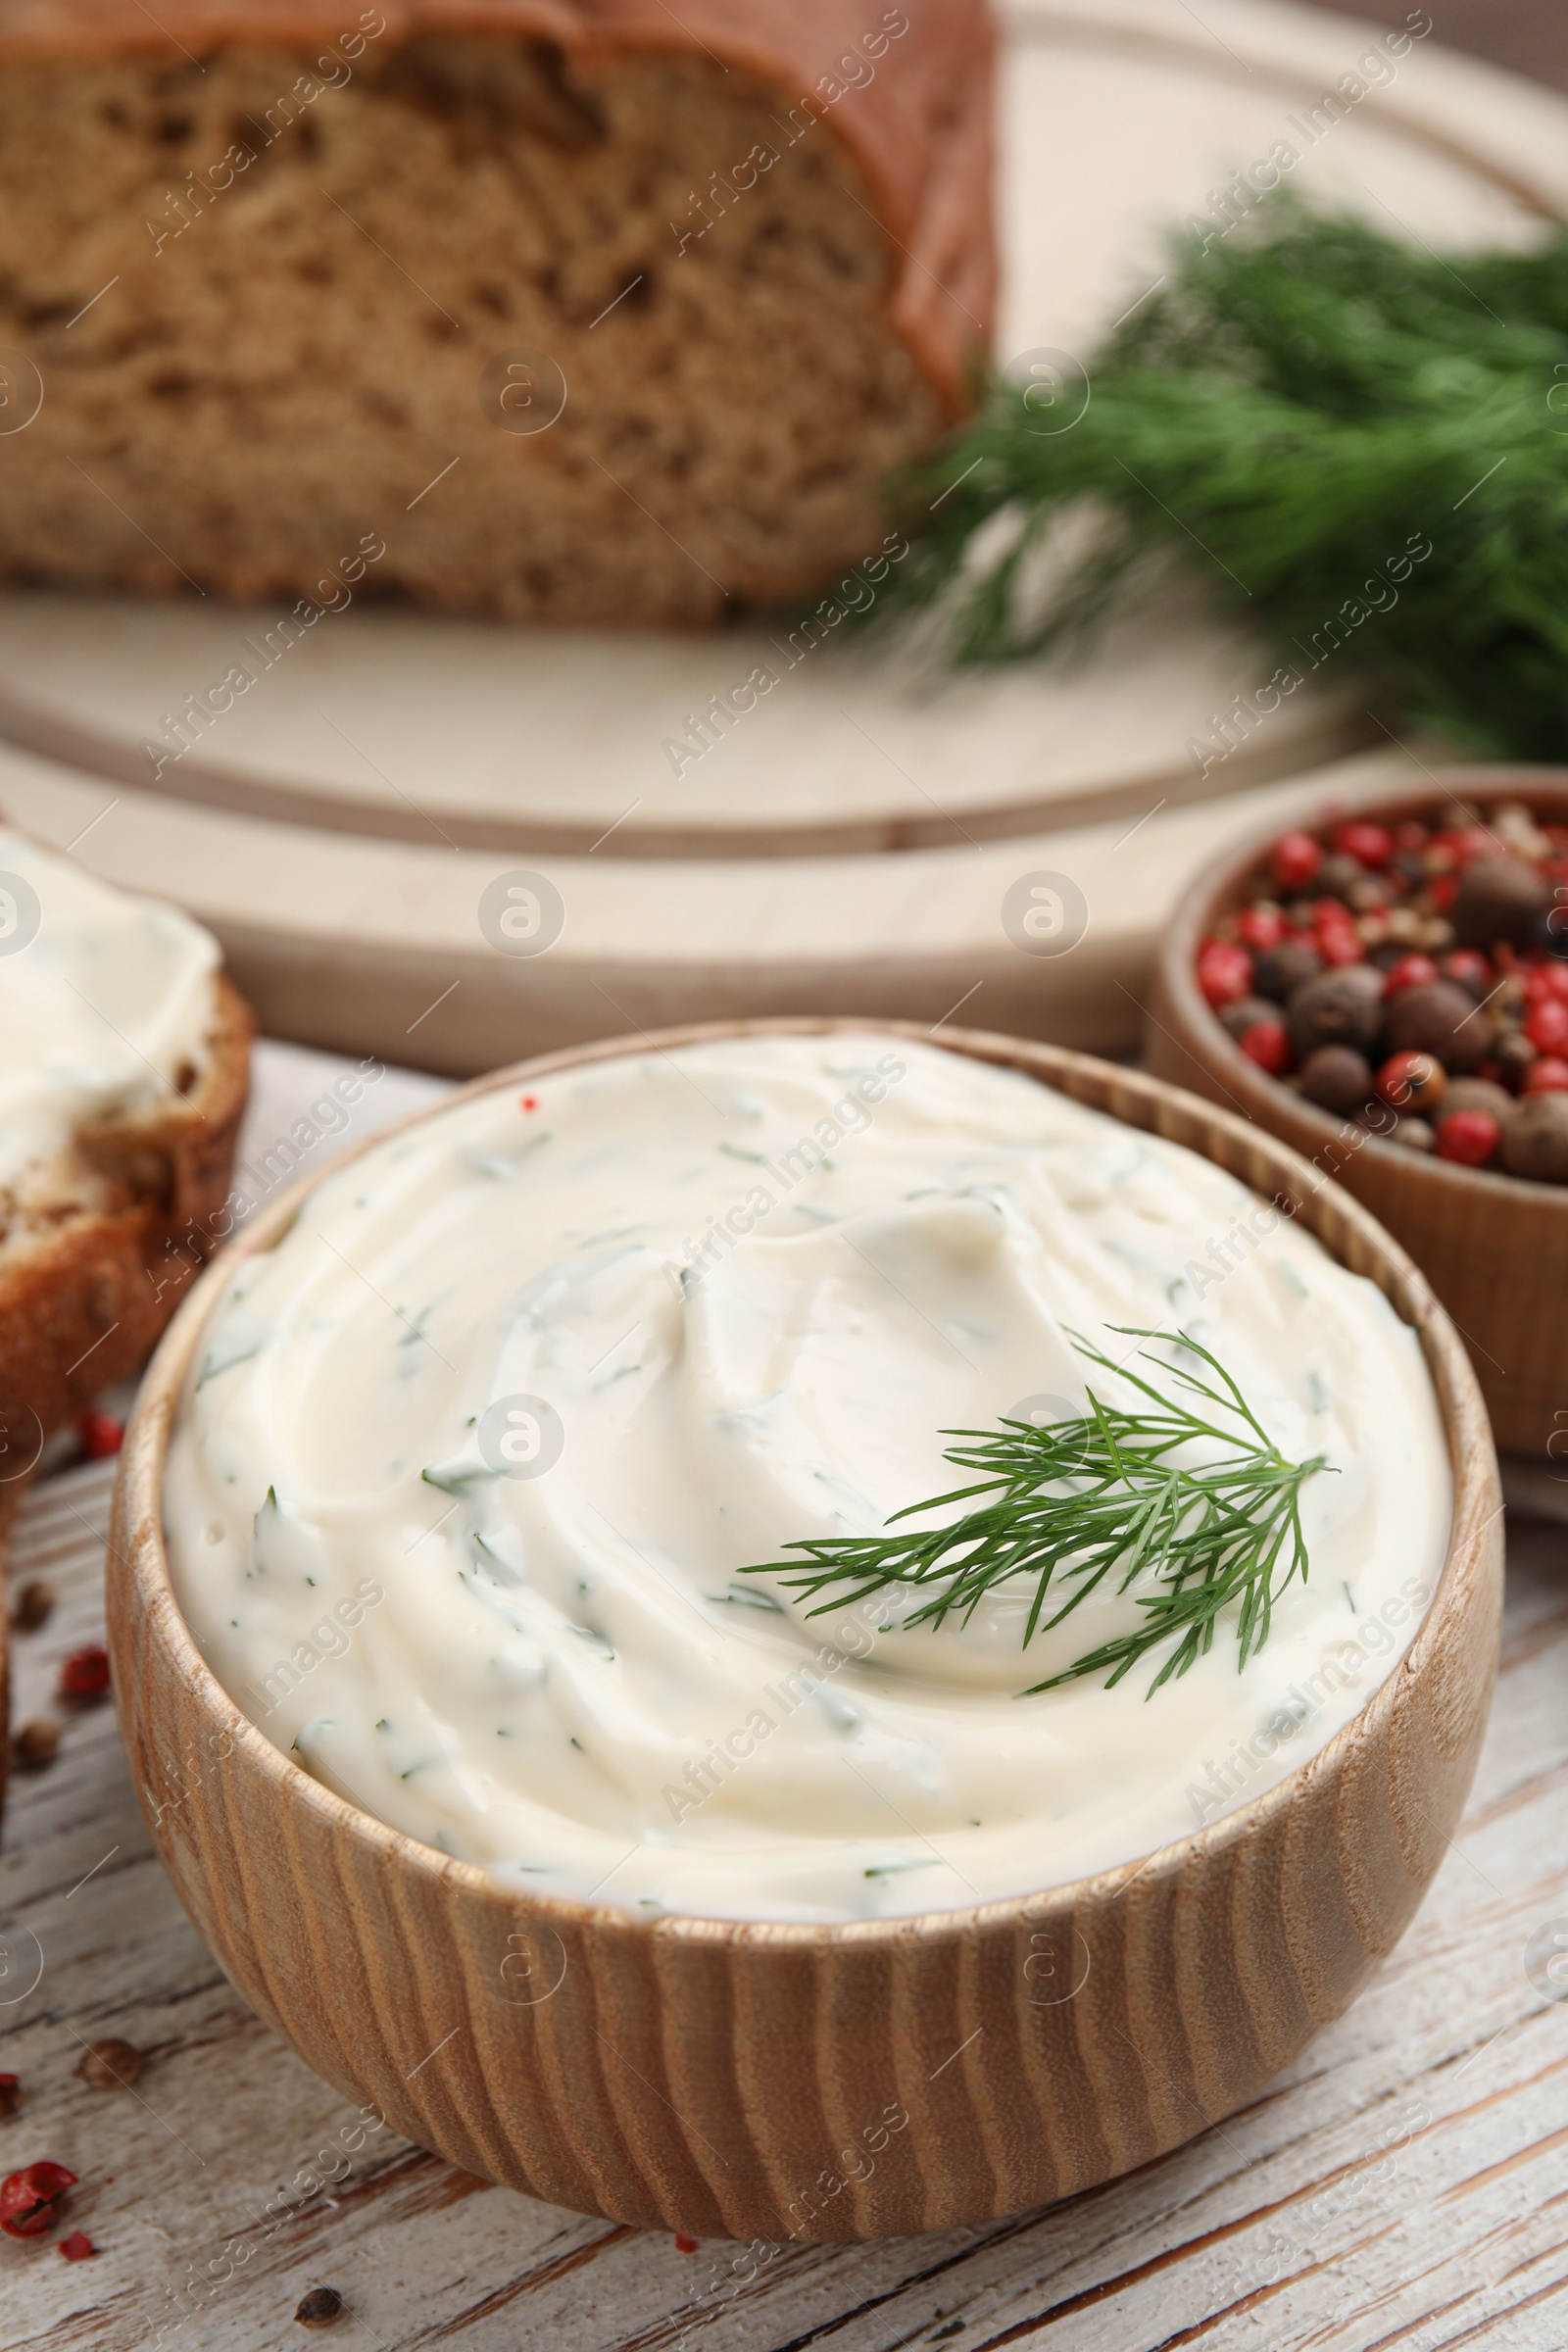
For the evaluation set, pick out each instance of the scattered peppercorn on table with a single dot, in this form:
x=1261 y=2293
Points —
x=187 y=2182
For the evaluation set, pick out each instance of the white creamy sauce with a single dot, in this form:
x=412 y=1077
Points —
x=752 y=1282
x=104 y=1000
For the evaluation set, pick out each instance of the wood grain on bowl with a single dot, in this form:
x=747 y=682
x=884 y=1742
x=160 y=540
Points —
x=1494 y=1247
x=820 y=2082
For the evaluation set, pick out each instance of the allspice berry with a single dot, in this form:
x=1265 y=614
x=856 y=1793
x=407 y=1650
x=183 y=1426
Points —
x=1368 y=893
x=1343 y=1008
x=110 y=2065
x=1338 y=876
x=1535 y=1139
x=1238 y=1019
x=1477 y=1094
x=320 y=2308
x=1336 y=1078
x=36 y=1743
x=1514 y=1054
x=1443 y=1020
x=1279 y=970
x=1499 y=898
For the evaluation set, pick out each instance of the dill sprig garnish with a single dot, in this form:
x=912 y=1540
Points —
x=1094 y=1497
x=1298 y=403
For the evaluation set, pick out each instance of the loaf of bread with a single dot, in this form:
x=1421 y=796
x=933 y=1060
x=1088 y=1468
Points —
x=595 y=310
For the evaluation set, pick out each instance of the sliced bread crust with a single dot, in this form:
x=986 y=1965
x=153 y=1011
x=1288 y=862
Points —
x=88 y=1282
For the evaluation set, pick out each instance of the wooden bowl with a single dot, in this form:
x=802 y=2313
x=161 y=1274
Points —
x=818 y=2082
x=1494 y=1247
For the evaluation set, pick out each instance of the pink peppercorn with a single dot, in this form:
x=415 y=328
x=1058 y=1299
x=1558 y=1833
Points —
x=1296 y=860
x=1469 y=1138
x=1267 y=1044
x=1224 y=972
x=1370 y=845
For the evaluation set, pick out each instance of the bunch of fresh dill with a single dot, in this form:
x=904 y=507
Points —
x=1295 y=408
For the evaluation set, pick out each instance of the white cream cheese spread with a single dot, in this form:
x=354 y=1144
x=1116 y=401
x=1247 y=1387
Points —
x=105 y=1002
x=469 y=1465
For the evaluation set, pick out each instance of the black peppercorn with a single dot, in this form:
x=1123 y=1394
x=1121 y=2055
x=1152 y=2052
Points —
x=1550 y=934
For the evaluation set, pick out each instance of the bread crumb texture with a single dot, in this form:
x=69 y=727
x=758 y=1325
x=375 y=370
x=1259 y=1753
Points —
x=298 y=282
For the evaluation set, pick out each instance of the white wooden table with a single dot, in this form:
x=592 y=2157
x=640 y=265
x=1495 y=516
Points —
x=1406 y=2183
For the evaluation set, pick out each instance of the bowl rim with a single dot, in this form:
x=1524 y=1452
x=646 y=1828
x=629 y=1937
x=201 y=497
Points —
x=138 y=1551
x=1255 y=1094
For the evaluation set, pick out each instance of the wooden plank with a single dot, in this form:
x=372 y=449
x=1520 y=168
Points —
x=1406 y=2183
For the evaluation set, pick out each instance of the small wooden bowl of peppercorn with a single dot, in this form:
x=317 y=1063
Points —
x=1388 y=992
